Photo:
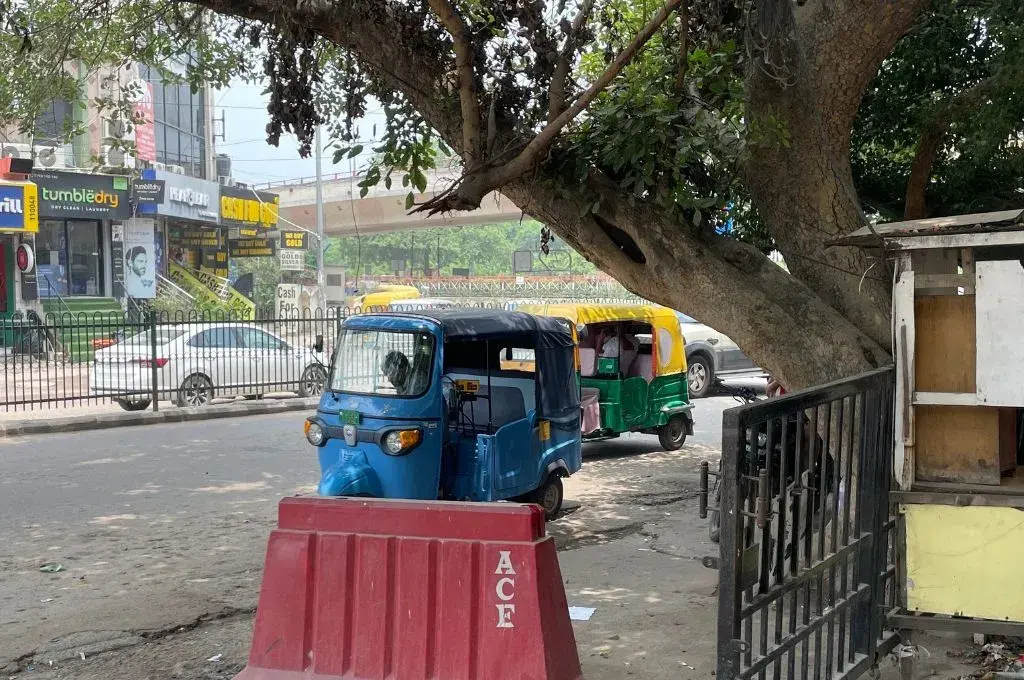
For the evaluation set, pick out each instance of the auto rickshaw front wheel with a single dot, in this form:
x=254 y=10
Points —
x=672 y=434
x=548 y=496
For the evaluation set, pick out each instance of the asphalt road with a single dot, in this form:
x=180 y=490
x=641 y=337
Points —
x=190 y=468
x=154 y=526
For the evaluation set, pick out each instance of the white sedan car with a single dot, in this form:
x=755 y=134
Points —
x=193 y=363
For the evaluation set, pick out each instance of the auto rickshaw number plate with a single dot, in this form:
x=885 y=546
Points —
x=349 y=417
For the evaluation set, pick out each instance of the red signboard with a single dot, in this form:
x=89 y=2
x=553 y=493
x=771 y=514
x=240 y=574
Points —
x=145 y=134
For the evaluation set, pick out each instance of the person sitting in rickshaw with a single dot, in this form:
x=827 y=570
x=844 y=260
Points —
x=396 y=369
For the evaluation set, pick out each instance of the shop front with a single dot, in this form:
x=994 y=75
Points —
x=73 y=243
x=19 y=219
x=187 y=225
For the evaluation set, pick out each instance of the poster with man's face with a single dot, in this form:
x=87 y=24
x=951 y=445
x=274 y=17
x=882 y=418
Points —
x=140 y=259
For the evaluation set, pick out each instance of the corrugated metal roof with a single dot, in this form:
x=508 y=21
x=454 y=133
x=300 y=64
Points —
x=1006 y=220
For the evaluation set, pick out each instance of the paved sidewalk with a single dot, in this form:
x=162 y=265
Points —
x=103 y=416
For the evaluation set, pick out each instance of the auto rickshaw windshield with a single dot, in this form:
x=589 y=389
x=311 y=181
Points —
x=382 y=362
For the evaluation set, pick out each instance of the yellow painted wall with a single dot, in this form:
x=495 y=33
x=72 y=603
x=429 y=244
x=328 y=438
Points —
x=965 y=561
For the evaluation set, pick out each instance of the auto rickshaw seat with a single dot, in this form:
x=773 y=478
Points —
x=643 y=367
x=588 y=361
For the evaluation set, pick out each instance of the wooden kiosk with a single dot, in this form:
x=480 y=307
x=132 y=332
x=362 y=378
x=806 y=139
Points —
x=958 y=341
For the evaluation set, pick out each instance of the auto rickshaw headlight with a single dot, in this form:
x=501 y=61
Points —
x=314 y=433
x=398 y=442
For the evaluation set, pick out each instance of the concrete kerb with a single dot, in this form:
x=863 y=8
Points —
x=170 y=415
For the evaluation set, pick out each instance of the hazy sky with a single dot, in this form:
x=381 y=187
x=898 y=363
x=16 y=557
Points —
x=253 y=161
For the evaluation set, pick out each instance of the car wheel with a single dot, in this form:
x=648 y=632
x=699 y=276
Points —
x=195 y=391
x=700 y=376
x=134 y=404
x=672 y=434
x=313 y=380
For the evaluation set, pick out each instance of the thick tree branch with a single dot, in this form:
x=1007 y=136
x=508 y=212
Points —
x=930 y=143
x=468 y=100
x=560 y=74
x=684 y=45
x=475 y=185
x=721 y=281
x=393 y=45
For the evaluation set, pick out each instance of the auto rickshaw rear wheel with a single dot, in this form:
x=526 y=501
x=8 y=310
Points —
x=672 y=434
x=548 y=496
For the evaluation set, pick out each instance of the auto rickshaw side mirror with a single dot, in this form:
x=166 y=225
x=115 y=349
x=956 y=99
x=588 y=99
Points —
x=318 y=344
x=508 y=353
x=581 y=332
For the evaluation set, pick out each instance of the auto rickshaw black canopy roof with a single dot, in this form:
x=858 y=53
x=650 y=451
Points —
x=492 y=324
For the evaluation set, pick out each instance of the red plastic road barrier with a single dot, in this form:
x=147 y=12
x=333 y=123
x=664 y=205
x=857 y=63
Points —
x=366 y=589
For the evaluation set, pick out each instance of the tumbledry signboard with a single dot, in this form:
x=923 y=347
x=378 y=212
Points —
x=78 y=195
x=294 y=240
x=252 y=247
x=148 y=191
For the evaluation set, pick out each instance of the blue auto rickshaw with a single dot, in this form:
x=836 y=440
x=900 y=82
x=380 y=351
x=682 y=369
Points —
x=457 y=404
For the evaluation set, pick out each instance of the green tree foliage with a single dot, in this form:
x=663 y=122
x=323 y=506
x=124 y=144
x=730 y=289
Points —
x=956 y=87
x=635 y=131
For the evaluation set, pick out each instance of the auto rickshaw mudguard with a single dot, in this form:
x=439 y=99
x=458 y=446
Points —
x=351 y=477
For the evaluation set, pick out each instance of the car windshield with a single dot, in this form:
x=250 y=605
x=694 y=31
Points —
x=378 y=362
x=685 y=319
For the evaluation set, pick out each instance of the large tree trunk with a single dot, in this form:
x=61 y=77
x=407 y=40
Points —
x=777 y=320
x=802 y=184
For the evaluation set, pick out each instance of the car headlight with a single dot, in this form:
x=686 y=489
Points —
x=314 y=433
x=398 y=442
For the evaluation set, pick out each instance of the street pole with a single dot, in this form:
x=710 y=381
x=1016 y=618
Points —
x=319 y=222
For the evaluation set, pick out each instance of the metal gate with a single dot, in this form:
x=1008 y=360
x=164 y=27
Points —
x=806 y=554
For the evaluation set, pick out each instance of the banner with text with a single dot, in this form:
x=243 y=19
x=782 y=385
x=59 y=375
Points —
x=215 y=289
x=252 y=247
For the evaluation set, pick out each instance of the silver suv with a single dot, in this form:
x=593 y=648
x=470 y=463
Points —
x=711 y=356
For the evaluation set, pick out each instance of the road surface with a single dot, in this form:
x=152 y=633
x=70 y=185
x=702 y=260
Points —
x=157 y=527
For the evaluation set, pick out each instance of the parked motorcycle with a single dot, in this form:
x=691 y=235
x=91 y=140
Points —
x=775 y=449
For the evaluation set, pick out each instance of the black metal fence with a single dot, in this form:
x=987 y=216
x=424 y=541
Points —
x=806 y=546
x=146 y=360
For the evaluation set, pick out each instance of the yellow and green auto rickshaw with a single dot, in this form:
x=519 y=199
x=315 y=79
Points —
x=632 y=367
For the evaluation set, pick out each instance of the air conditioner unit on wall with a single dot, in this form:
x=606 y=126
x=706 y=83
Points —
x=176 y=169
x=16 y=150
x=54 y=157
x=115 y=157
x=117 y=129
x=157 y=165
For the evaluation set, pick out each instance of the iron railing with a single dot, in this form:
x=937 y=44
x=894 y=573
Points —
x=143 y=359
x=807 y=541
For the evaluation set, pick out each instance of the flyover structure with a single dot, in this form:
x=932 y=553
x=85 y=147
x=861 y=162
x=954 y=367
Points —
x=382 y=209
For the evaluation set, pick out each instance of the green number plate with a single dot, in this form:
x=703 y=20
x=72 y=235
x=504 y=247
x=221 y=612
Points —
x=349 y=417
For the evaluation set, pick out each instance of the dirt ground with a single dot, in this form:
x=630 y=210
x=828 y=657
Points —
x=176 y=600
x=631 y=548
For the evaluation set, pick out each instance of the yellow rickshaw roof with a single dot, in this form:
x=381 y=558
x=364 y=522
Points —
x=582 y=313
